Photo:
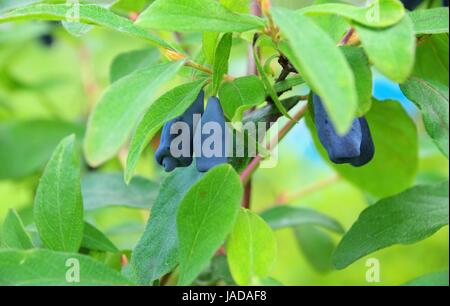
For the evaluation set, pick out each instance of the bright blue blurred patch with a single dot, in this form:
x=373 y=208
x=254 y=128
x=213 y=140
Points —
x=385 y=89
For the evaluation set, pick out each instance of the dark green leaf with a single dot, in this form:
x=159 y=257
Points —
x=406 y=218
x=94 y=239
x=126 y=63
x=433 y=279
x=221 y=57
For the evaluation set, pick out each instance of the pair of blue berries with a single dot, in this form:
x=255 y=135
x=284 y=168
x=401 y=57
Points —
x=355 y=148
x=212 y=113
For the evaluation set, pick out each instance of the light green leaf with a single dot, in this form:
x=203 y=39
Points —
x=394 y=166
x=196 y=16
x=58 y=205
x=167 y=107
x=288 y=83
x=89 y=14
x=323 y=66
x=431 y=21
x=406 y=218
x=395 y=56
x=241 y=94
x=317 y=246
x=205 y=217
x=361 y=69
x=380 y=13
x=209 y=44
x=432 y=59
x=251 y=248
x=49 y=268
x=433 y=101
x=19 y=138
x=94 y=239
x=440 y=278
x=156 y=254
x=239 y=6
x=108 y=189
x=221 y=57
x=13 y=234
x=283 y=216
x=115 y=116
x=126 y=63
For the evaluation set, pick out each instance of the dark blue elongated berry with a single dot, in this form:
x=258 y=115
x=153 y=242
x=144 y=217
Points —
x=445 y=3
x=411 y=4
x=212 y=136
x=355 y=148
x=47 y=39
x=163 y=154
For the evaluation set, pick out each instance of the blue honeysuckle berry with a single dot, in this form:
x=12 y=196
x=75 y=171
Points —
x=411 y=4
x=355 y=148
x=163 y=155
x=213 y=114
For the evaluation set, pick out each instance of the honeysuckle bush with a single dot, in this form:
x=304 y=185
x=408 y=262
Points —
x=202 y=226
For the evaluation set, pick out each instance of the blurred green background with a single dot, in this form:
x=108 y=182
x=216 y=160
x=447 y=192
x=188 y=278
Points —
x=62 y=82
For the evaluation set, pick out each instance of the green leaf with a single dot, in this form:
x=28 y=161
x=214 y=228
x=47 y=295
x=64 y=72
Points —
x=240 y=6
x=89 y=14
x=380 y=13
x=209 y=44
x=317 y=246
x=283 y=216
x=13 y=234
x=323 y=66
x=269 y=87
x=432 y=59
x=19 y=138
x=335 y=26
x=126 y=63
x=94 y=239
x=241 y=94
x=156 y=254
x=108 y=189
x=167 y=107
x=58 y=205
x=433 y=279
x=114 y=117
x=45 y=267
x=288 y=84
x=394 y=166
x=196 y=16
x=395 y=56
x=431 y=21
x=251 y=248
x=205 y=217
x=433 y=101
x=405 y=218
x=361 y=69
x=221 y=57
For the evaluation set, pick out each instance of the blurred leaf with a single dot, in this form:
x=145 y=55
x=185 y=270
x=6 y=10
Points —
x=116 y=114
x=315 y=55
x=127 y=6
x=432 y=99
x=167 y=107
x=196 y=16
x=126 y=63
x=45 y=267
x=156 y=254
x=205 y=217
x=108 y=189
x=432 y=59
x=395 y=56
x=433 y=279
x=217 y=273
x=27 y=145
x=288 y=83
x=361 y=69
x=251 y=248
x=394 y=166
x=335 y=26
x=289 y=216
x=431 y=21
x=241 y=94
x=209 y=44
x=58 y=205
x=406 y=218
x=221 y=58
x=379 y=13
x=89 y=14
x=13 y=234
x=94 y=239
x=317 y=246
x=239 y=6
